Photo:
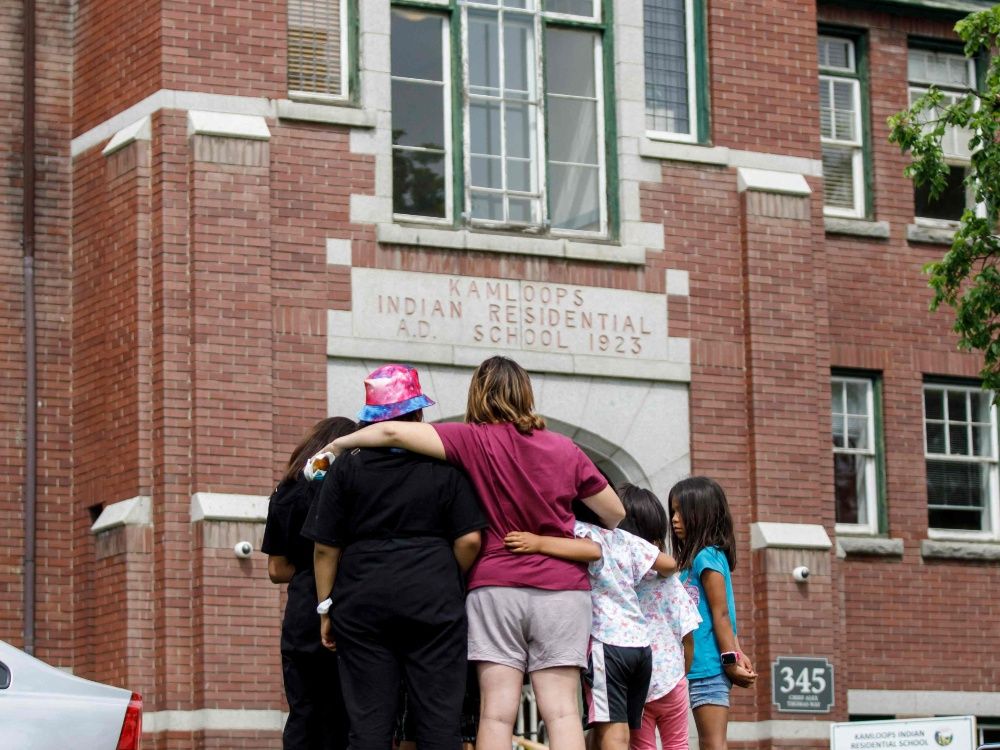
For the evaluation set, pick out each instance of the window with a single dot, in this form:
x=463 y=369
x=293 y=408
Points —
x=841 y=130
x=671 y=30
x=526 y=147
x=961 y=455
x=953 y=74
x=317 y=49
x=855 y=454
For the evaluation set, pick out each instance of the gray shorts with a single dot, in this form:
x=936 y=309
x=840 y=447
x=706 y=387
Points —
x=528 y=629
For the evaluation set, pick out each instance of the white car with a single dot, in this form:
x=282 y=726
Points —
x=44 y=708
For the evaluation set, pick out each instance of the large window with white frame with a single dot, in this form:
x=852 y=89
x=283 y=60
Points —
x=841 y=126
x=507 y=131
x=954 y=75
x=960 y=429
x=318 y=49
x=671 y=32
x=855 y=453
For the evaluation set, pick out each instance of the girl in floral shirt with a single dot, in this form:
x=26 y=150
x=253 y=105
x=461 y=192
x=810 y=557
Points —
x=617 y=679
x=671 y=617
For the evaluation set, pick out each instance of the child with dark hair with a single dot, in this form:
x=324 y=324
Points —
x=702 y=538
x=617 y=678
x=672 y=618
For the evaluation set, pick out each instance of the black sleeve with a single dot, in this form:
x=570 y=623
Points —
x=462 y=511
x=276 y=530
x=329 y=519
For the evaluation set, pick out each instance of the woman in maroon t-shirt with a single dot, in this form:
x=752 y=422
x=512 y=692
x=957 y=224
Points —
x=527 y=613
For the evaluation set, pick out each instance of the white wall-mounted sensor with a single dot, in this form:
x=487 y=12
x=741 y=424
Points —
x=243 y=549
x=801 y=573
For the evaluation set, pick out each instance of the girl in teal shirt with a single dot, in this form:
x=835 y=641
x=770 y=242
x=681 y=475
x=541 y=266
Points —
x=705 y=548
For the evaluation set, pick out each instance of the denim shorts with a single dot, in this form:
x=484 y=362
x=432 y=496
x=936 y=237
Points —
x=709 y=691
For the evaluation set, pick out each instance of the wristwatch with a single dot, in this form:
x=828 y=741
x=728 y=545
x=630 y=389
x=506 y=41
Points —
x=730 y=657
x=324 y=606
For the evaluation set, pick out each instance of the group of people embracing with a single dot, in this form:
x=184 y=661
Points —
x=431 y=567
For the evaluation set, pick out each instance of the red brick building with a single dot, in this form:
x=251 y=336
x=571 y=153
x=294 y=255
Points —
x=683 y=216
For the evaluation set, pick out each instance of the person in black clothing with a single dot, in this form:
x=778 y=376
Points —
x=395 y=533
x=317 y=719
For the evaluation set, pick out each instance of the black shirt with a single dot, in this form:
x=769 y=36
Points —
x=287 y=512
x=395 y=514
x=392 y=494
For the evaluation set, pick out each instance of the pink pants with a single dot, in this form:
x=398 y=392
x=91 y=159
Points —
x=669 y=715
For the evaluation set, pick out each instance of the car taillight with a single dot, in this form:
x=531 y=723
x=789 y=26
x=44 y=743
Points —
x=132 y=726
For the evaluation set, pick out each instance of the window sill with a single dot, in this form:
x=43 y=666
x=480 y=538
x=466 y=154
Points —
x=930 y=235
x=878 y=230
x=518 y=244
x=330 y=114
x=870 y=546
x=723 y=156
x=938 y=549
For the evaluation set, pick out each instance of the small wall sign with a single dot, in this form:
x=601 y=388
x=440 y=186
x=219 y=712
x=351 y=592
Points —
x=802 y=684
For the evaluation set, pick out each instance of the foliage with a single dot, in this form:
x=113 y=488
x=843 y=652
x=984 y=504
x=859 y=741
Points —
x=968 y=277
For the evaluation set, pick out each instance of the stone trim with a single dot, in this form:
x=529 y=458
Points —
x=722 y=156
x=770 y=535
x=517 y=244
x=874 y=546
x=930 y=235
x=935 y=549
x=878 y=230
x=213 y=719
x=217 y=506
x=225 y=125
x=136 y=511
x=330 y=114
x=140 y=130
x=777 y=729
x=923 y=702
x=338 y=252
x=678 y=282
x=769 y=181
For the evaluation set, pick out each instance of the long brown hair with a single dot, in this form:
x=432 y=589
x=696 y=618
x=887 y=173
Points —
x=500 y=391
x=703 y=508
x=323 y=432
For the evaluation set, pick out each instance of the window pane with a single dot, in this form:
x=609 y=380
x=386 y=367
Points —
x=520 y=210
x=418 y=114
x=958 y=437
x=519 y=175
x=486 y=172
x=520 y=130
x=835 y=53
x=571 y=7
x=956 y=406
x=575 y=197
x=666 y=62
x=484 y=124
x=838 y=176
x=957 y=494
x=935 y=437
x=857 y=398
x=980 y=404
x=851 y=483
x=837 y=397
x=949 y=205
x=569 y=59
x=484 y=52
x=982 y=440
x=843 y=111
x=839 y=432
x=314 y=54
x=933 y=404
x=857 y=432
x=518 y=40
x=416 y=45
x=487 y=206
x=418 y=183
x=825 y=109
x=572 y=130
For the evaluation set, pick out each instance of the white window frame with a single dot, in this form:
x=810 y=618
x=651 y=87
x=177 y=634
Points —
x=692 y=95
x=345 y=61
x=544 y=225
x=872 y=499
x=849 y=74
x=449 y=151
x=916 y=89
x=993 y=501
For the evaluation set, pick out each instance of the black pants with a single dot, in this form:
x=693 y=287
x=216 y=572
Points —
x=317 y=719
x=431 y=661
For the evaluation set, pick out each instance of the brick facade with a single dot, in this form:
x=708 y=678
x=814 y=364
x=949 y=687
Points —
x=185 y=290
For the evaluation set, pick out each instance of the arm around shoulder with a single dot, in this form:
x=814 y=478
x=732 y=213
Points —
x=418 y=437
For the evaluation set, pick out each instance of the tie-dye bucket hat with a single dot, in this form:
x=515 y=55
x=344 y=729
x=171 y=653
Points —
x=390 y=392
